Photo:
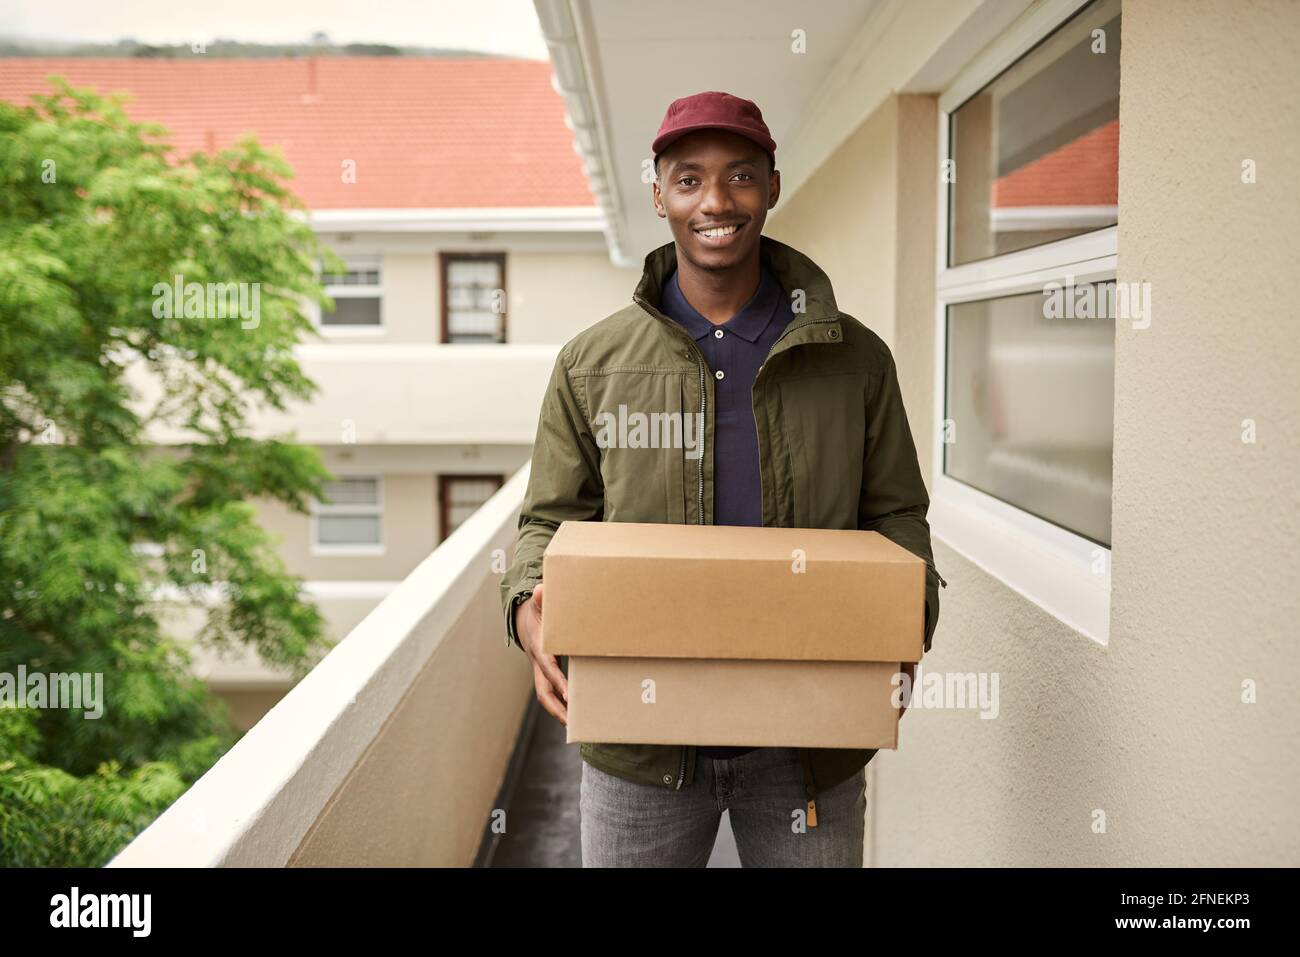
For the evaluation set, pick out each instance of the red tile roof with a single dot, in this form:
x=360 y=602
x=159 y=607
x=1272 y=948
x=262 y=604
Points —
x=1083 y=172
x=424 y=132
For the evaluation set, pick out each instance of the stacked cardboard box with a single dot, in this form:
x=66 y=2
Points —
x=729 y=635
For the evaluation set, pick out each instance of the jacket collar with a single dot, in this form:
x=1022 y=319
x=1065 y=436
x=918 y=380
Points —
x=748 y=323
x=792 y=269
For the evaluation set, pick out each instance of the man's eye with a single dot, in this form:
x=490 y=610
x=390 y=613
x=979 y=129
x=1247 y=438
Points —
x=746 y=175
x=682 y=181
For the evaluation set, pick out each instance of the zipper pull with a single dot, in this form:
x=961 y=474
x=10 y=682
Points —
x=812 y=812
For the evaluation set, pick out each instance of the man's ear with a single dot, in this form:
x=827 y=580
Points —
x=774 y=188
x=658 y=200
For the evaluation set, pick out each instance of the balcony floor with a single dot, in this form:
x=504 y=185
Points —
x=542 y=819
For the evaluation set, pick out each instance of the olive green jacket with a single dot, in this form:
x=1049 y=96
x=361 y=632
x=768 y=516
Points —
x=835 y=451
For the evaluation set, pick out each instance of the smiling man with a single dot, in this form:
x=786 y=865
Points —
x=804 y=427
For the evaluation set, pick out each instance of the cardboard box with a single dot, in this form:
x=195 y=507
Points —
x=726 y=635
x=774 y=704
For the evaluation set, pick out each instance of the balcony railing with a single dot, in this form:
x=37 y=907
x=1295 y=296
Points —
x=399 y=393
x=392 y=750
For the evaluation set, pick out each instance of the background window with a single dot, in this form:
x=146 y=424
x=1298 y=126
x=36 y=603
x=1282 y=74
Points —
x=459 y=496
x=1036 y=151
x=1032 y=402
x=352 y=516
x=473 y=297
x=357 y=295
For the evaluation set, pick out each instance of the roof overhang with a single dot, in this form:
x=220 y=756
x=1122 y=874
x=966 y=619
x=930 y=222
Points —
x=816 y=71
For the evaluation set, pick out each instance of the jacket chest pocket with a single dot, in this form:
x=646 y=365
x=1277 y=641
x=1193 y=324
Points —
x=824 y=426
x=643 y=436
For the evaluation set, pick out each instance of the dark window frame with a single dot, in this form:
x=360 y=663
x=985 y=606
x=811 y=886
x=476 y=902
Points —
x=445 y=259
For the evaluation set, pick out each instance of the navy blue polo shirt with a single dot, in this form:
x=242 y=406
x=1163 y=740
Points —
x=734 y=351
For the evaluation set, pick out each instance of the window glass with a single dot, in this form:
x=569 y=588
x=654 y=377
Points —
x=1030 y=396
x=1036 y=152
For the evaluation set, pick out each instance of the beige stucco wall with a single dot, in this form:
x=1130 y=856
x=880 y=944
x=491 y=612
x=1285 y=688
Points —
x=424 y=790
x=1205 y=525
x=408 y=532
x=411 y=297
x=867 y=218
x=844 y=217
x=1150 y=730
x=552 y=294
x=410 y=524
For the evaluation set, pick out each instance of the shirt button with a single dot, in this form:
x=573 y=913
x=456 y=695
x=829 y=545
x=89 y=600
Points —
x=719 y=374
x=717 y=333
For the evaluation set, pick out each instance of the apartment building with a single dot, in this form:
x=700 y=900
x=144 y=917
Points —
x=473 y=247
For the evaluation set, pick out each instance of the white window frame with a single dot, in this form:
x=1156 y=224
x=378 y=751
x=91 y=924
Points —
x=376 y=292
x=1054 y=568
x=321 y=508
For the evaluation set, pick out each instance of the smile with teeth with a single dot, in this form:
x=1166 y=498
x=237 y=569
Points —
x=719 y=233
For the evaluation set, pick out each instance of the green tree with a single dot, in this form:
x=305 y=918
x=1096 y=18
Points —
x=98 y=215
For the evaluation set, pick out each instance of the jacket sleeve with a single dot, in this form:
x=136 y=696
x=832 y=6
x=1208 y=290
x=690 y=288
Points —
x=894 y=501
x=564 y=484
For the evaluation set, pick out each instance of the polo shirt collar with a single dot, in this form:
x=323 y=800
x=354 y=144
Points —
x=748 y=323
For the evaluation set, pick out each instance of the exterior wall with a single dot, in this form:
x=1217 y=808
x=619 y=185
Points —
x=541 y=279
x=845 y=218
x=412 y=299
x=428 y=780
x=554 y=296
x=407 y=530
x=1205 y=525
x=867 y=218
x=1149 y=730
x=411 y=519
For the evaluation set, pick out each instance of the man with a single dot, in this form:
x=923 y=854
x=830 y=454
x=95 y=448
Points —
x=804 y=427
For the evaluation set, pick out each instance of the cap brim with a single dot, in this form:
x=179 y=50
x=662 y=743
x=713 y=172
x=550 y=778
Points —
x=668 y=139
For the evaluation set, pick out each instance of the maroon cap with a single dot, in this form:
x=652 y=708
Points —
x=714 y=110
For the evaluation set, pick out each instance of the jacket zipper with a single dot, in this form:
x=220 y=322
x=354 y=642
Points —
x=811 y=815
x=699 y=364
x=699 y=471
x=699 y=463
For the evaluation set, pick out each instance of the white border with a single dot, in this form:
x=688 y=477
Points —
x=1067 y=575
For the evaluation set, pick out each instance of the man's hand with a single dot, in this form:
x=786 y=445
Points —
x=908 y=668
x=548 y=680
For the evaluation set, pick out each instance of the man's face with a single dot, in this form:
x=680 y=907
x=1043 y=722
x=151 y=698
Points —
x=715 y=178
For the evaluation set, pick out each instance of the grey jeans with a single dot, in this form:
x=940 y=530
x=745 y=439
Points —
x=630 y=824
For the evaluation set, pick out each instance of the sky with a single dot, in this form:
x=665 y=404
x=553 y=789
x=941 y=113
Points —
x=490 y=26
